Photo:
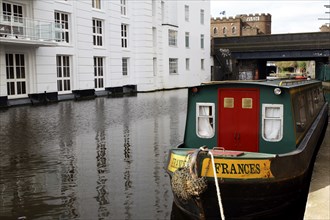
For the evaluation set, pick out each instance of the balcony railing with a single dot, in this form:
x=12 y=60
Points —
x=13 y=27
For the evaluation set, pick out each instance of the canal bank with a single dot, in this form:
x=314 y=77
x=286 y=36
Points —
x=318 y=202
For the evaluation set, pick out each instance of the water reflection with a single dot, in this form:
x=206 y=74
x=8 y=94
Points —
x=156 y=171
x=128 y=161
x=68 y=162
x=101 y=184
x=101 y=162
x=96 y=159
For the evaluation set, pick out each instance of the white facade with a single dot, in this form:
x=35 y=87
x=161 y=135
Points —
x=65 y=45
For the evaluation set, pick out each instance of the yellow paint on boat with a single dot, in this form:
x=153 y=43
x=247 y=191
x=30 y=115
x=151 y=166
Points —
x=238 y=169
x=227 y=168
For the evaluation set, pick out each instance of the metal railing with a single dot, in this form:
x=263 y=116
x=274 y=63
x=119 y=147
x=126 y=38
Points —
x=14 y=27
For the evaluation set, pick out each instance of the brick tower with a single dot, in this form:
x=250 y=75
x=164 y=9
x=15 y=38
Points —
x=241 y=25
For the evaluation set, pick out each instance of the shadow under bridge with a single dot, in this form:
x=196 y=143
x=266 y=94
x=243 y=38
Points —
x=233 y=55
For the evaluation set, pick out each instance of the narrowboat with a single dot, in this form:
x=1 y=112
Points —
x=248 y=148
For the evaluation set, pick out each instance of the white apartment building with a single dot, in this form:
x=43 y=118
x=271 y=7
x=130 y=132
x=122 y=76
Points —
x=64 y=47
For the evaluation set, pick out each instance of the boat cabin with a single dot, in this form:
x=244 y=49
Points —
x=252 y=116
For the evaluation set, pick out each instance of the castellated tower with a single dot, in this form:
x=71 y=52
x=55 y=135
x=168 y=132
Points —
x=260 y=22
x=241 y=25
x=325 y=28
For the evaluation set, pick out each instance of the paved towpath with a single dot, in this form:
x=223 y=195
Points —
x=318 y=203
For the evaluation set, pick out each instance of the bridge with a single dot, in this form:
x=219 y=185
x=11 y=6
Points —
x=234 y=55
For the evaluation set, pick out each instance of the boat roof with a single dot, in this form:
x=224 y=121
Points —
x=287 y=83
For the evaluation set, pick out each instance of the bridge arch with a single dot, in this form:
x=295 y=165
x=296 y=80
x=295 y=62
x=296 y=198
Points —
x=231 y=53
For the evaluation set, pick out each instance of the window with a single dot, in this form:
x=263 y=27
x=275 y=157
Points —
x=154 y=9
x=98 y=72
x=63 y=73
x=7 y=11
x=97 y=33
x=187 y=39
x=12 y=19
x=154 y=37
x=306 y=106
x=12 y=12
x=15 y=72
x=173 y=66
x=187 y=63
x=228 y=102
x=311 y=106
x=125 y=66
x=202 y=16
x=300 y=113
x=154 y=61
x=215 y=31
x=202 y=64
x=123 y=7
x=96 y=4
x=163 y=11
x=233 y=30
x=247 y=103
x=172 y=37
x=186 y=12
x=124 y=35
x=272 y=122
x=318 y=98
x=62 y=20
x=202 y=41
x=224 y=30
x=205 y=119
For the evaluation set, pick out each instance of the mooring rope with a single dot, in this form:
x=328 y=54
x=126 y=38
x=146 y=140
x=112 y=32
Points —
x=217 y=187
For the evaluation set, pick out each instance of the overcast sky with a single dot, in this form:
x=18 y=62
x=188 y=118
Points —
x=295 y=16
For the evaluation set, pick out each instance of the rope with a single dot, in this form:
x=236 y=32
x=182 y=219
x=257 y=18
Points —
x=217 y=187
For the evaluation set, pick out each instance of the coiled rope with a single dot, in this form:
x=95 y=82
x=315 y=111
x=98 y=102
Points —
x=217 y=187
x=185 y=181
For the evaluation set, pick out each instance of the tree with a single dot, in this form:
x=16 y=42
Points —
x=302 y=66
x=286 y=66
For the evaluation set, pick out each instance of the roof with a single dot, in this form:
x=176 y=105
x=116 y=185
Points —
x=275 y=83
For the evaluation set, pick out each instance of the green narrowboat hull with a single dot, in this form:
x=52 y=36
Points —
x=252 y=185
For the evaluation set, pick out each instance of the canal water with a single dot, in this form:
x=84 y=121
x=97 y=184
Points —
x=93 y=159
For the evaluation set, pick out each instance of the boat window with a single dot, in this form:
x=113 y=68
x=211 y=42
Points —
x=205 y=119
x=272 y=122
x=300 y=113
x=307 y=104
x=228 y=102
x=316 y=98
x=310 y=101
x=247 y=103
x=319 y=98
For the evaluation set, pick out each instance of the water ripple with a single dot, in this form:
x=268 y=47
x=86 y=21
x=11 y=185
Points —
x=94 y=159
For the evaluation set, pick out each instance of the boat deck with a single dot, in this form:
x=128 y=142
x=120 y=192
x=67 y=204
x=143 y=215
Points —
x=284 y=83
x=224 y=154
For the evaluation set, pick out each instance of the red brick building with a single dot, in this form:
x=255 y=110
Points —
x=241 y=25
x=325 y=28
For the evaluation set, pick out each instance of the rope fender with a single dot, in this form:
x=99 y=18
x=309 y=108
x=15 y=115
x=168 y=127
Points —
x=185 y=181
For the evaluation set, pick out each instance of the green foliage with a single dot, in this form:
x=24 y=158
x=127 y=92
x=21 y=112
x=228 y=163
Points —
x=287 y=66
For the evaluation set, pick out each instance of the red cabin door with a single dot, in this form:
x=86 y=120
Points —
x=238 y=119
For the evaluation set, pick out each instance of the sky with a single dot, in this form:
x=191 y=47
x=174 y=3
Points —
x=296 y=16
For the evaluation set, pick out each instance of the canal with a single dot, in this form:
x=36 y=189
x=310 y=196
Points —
x=93 y=159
